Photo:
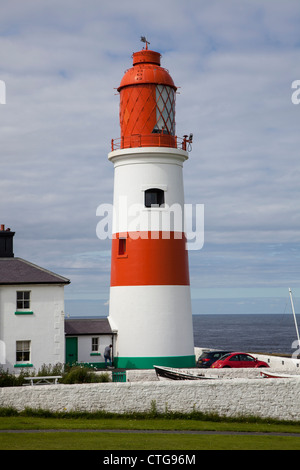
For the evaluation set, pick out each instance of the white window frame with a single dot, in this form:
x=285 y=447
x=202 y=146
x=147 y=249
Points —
x=95 y=343
x=22 y=300
x=23 y=347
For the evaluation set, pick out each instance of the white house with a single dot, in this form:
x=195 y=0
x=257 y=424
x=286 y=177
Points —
x=31 y=311
x=86 y=339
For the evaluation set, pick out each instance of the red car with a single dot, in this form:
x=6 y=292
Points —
x=238 y=359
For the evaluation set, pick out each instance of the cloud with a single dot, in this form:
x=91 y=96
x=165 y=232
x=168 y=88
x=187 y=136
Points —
x=234 y=62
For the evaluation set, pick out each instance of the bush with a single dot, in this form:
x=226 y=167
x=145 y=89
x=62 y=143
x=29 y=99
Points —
x=11 y=380
x=79 y=375
x=50 y=369
x=70 y=375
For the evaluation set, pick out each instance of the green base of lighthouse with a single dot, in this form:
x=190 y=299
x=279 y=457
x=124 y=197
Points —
x=150 y=362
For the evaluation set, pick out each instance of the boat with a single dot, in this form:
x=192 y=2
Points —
x=169 y=373
x=274 y=375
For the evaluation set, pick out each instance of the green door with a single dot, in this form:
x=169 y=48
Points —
x=71 y=350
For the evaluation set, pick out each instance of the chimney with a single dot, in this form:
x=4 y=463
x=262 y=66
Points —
x=6 y=242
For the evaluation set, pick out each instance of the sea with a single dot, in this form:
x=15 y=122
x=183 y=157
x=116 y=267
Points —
x=260 y=333
x=267 y=333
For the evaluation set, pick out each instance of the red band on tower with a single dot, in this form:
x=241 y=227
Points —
x=149 y=258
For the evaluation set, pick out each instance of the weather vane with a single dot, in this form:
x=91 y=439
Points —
x=143 y=39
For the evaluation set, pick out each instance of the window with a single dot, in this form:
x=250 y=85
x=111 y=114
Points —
x=122 y=247
x=23 y=300
x=23 y=351
x=247 y=358
x=234 y=358
x=154 y=197
x=95 y=344
x=165 y=110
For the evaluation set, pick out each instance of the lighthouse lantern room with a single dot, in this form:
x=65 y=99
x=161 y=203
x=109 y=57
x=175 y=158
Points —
x=150 y=303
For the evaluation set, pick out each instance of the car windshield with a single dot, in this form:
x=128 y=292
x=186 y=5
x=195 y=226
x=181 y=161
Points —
x=212 y=356
x=218 y=355
x=225 y=356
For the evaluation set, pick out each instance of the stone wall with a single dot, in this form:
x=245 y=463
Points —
x=275 y=398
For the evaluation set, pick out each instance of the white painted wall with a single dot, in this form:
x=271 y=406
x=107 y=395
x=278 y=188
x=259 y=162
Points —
x=85 y=348
x=152 y=321
x=159 y=317
x=138 y=169
x=274 y=398
x=44 y=328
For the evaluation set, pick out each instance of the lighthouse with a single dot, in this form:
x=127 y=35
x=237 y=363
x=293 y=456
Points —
x=150 y=302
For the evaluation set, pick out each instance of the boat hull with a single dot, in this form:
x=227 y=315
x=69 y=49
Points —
x=169 y=373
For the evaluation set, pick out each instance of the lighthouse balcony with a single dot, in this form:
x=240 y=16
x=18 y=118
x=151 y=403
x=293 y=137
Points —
x=150 y=140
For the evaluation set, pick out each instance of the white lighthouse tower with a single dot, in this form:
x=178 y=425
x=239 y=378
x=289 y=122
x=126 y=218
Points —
x=150 y=304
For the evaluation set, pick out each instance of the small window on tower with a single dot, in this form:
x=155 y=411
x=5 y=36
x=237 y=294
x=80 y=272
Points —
x=122 y=247
x=154 y=197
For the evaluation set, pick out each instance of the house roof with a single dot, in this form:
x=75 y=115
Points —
x=20 y=271
x=87 y=326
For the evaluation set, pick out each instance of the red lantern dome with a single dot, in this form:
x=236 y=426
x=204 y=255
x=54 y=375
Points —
x=147 y=103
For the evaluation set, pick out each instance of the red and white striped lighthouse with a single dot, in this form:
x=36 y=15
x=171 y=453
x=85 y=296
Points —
x=150 y=304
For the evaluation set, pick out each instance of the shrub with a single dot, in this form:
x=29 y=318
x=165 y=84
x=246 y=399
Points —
x=79 y=375
x=50 y=369
x=11 y=380
x=70 y=375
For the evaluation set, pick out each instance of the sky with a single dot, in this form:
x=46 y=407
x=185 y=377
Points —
x=233 y=61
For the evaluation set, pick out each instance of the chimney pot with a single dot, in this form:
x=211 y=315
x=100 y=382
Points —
x=2 y=227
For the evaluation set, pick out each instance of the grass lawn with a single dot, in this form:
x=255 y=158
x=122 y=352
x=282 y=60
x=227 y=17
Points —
x=115 y=441
x=157 y=440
